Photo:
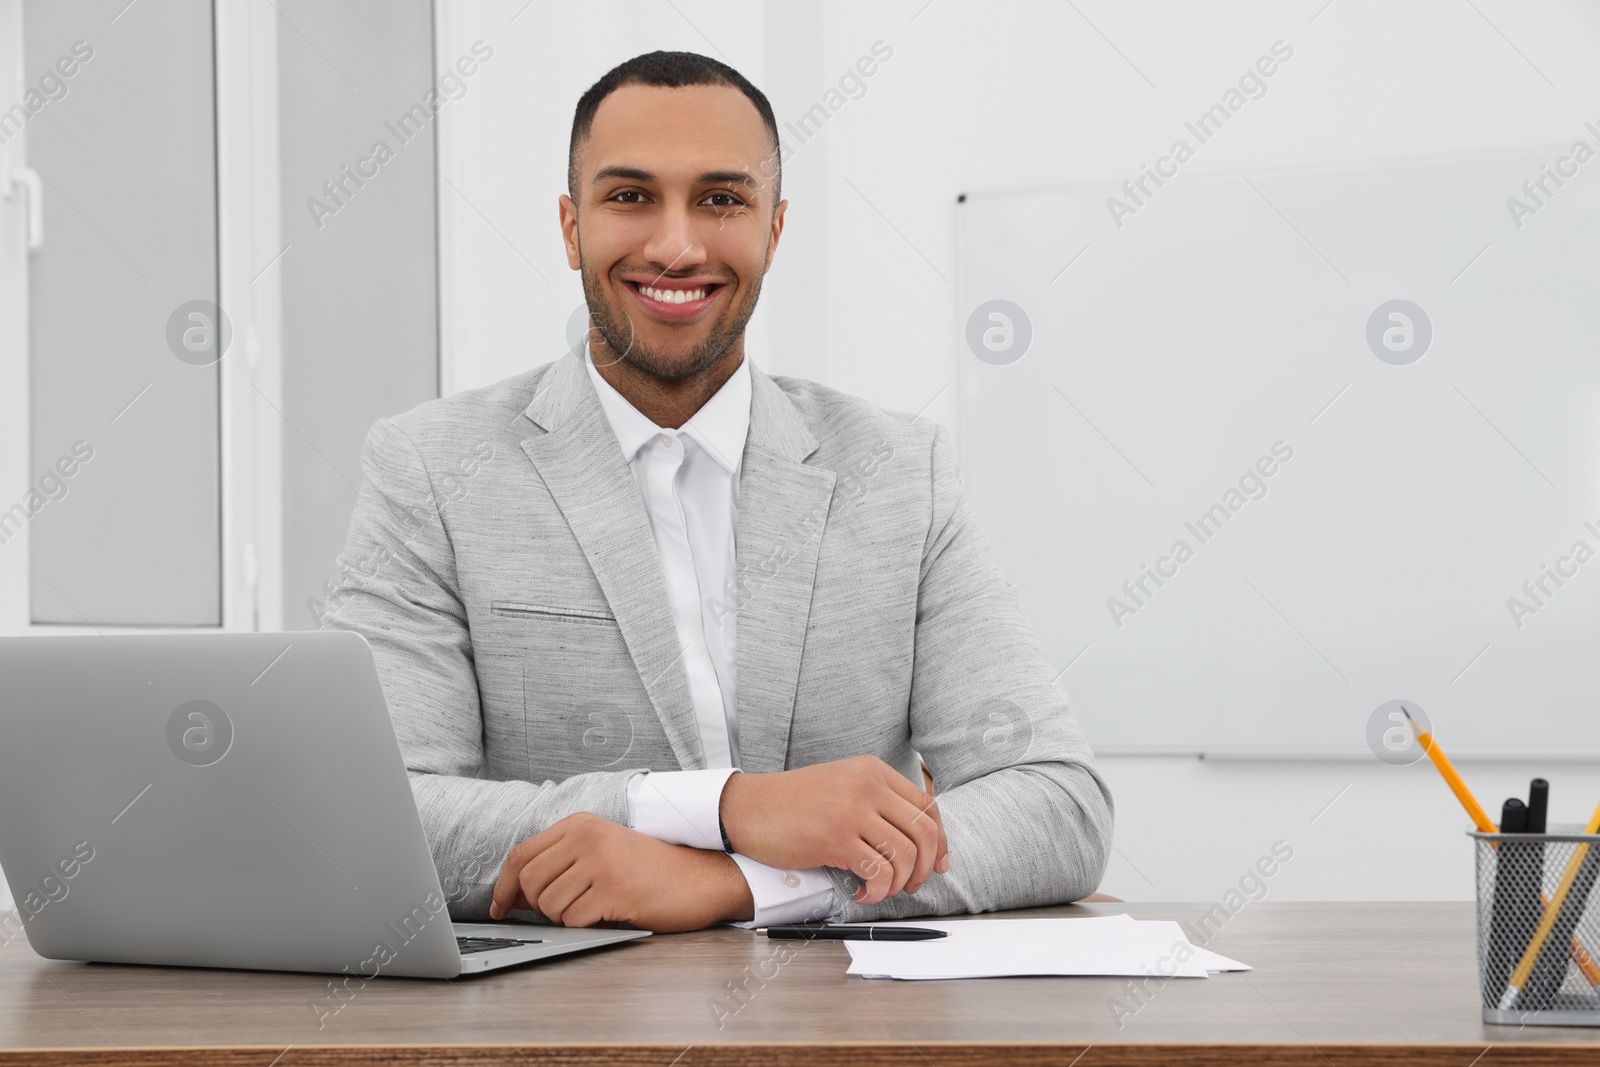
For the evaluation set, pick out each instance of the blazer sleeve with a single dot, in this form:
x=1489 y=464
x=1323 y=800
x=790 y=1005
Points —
x=1027 y=813
x=399 y=590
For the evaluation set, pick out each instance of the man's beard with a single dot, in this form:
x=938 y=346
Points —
x=616 y=329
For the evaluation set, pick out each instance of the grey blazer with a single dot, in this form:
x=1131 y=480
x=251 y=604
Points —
x=501 y=565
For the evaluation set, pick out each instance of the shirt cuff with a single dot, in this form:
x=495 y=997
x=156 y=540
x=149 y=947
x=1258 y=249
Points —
x=786 y=896
x=679 y=807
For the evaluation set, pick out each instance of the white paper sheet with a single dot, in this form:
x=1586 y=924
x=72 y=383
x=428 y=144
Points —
x=1114 y=945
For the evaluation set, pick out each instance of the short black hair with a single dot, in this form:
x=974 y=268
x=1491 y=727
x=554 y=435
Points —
x=671 y=70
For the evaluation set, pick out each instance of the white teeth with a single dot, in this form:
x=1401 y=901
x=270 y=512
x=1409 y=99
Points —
x=673 y=296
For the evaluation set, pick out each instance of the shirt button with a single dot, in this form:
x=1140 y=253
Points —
x=664 y=439
x=792 y=880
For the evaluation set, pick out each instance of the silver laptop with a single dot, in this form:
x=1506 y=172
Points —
x=227 y=800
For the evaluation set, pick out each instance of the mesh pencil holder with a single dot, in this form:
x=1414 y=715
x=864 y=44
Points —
x=1539 y=928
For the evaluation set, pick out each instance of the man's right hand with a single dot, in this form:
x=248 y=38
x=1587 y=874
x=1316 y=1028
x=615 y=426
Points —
x=857 y=814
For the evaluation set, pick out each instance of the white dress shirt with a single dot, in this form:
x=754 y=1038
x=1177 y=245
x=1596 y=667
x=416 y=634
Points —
x=689 y=481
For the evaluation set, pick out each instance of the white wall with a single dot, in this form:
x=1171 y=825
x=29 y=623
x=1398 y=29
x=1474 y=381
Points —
x=358 y=281
x=1010 y=94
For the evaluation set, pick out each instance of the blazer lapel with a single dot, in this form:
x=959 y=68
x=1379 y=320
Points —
x=578 y=458
x=783 y=507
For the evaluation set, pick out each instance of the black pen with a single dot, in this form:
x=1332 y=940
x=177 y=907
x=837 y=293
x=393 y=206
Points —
x=1516 y=907
x=850 y=933
x=1538 y=805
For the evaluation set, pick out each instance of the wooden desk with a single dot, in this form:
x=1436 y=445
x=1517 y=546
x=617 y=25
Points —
x=1333 y=984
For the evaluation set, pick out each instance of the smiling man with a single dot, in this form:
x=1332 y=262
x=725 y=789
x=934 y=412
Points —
x=671 y=642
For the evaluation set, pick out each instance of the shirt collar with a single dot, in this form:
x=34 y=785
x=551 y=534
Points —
x=719 y=427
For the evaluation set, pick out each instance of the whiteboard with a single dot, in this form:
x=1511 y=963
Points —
x=1137 y=373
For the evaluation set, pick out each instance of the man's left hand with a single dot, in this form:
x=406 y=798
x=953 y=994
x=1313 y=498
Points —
x=586 y=870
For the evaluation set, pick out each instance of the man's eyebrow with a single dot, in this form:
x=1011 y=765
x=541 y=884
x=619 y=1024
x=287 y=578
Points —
x=710 y=177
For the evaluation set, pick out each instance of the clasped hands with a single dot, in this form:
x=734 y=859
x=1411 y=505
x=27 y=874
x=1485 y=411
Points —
x=857 y=814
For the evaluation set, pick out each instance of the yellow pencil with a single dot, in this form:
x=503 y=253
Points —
x=1481 y=820
x=1452 y=777
x=1547 y=921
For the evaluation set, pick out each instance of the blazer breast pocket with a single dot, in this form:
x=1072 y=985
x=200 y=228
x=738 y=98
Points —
x=584 y=705
x=512 y=609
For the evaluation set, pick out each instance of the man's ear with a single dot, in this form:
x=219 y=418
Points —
x=777 y=232
x=568 y=212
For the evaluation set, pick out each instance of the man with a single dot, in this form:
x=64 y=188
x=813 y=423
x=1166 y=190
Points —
x=597 y=588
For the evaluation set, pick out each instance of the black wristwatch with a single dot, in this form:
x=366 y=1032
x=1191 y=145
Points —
x=727 y=846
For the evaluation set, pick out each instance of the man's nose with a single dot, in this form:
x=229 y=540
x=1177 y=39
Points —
x=674 y=243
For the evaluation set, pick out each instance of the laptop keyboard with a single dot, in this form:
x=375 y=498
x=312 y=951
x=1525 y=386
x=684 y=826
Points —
x=469 y=945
